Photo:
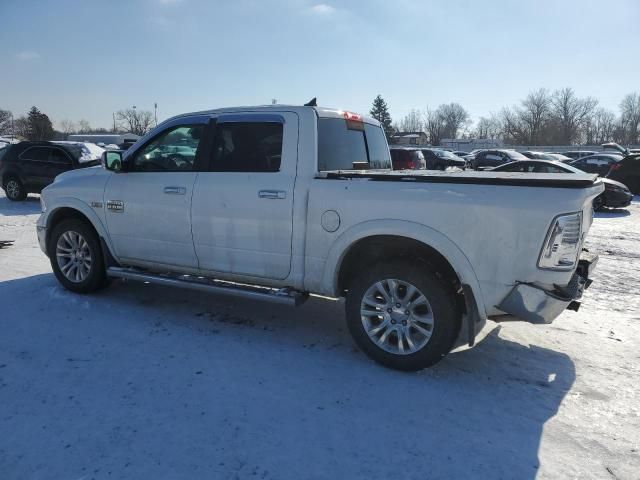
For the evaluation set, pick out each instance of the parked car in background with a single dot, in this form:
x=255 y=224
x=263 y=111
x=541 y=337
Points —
x=560 y=157
x=492 y=158
x=538 y=155
x=616 y=148
x=627 y=171
x=28 y=167
x=615 y=195
x=460 y=153
x=407 y=158
x=576 y=154
x=438 y=159
x=600 y=163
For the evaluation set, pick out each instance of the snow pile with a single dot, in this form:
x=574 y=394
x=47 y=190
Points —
x=142 y=381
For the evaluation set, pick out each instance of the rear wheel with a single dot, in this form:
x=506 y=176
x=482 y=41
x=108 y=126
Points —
x=76 y=256
x=402 y=316
x=15 y=189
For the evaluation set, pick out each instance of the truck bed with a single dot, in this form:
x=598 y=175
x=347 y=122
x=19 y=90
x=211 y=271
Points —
x=550 y=180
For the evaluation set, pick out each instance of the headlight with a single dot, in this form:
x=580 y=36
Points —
x=562 y=244
x=43 y=206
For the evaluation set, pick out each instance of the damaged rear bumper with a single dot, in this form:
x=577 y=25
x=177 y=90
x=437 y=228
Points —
x=534 y=304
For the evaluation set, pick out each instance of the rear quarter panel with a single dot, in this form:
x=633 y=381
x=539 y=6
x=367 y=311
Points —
x=492 y=235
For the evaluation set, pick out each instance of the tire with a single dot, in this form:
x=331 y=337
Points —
x=598 y=203
x=14 y=189
x=440 y=304
x=75 y=242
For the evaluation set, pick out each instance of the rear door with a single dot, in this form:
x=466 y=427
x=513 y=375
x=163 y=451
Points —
x=34 y=164
x=242 y=207
x=59 y=161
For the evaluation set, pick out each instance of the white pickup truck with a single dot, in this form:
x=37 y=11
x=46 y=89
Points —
x=278 y=202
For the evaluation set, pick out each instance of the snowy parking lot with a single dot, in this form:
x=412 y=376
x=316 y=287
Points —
x=141 y=381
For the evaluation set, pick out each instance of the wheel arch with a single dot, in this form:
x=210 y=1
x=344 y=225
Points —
x=382 y=236
x=73 y=208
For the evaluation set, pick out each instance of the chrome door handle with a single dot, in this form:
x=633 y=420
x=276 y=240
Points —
x=273 y=194
x=175 y=190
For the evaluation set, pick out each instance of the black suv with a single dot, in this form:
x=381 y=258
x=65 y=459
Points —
x=627 y=171
x=28 y=167
x=438 y=159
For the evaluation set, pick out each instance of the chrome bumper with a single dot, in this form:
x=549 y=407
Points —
x=534 y=304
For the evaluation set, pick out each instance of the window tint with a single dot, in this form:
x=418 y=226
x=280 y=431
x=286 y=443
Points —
x=247 y=147
x=58 y=156
x=36 y=153
x=174 y=150
x=339 y=147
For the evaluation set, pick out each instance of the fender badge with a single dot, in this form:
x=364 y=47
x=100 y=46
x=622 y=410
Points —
x=96 y=204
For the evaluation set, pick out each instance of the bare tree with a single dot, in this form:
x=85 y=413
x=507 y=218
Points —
x=630 y=117
x=600 y=127
x=67 y=126
x=570 y=113
x=84 y=126
x=5 y=122
x=135 y=121
x=412 y=122
x=488 y=127
x=454 y=117
x=22 y=127
x=534 y=114
x=514 y=129
x=435 y=126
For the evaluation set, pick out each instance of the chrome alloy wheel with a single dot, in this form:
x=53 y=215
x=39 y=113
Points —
x=73 y=256
x=396 y=316
x=13 y=189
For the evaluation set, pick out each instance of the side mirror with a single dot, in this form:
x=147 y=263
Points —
x=112 y=160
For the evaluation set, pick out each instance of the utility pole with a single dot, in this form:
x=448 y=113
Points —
x=113 y=114
x=155 y=112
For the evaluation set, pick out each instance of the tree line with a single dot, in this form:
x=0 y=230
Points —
x=36 y=125
x=541 y=118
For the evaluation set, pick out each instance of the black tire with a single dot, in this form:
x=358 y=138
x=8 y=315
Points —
x=599 y=203
x=14 y=189
x=96 y=277
x=446 y=314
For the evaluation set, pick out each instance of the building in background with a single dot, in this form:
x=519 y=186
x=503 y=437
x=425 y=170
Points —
x=410 y=138
x=468 y=144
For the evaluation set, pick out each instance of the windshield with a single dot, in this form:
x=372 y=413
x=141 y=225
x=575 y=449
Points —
x=515 y=155
x=343 y=148
x=445 y=154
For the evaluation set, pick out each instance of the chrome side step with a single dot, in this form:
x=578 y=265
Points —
x=286 y=296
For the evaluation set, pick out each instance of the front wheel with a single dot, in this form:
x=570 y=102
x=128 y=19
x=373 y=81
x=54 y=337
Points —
x=15 y=189
x=76 y=256
x=402 y=316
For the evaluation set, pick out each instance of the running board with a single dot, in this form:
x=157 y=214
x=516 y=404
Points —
x=287 y=296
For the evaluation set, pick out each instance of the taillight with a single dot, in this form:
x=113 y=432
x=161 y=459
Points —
x=615 y=166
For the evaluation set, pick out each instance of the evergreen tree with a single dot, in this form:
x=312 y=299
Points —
x=380 y=111
x=40 y=127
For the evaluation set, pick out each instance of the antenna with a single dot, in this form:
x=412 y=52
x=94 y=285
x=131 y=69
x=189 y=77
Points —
x=311 y=103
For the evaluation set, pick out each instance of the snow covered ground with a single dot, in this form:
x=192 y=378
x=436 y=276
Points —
x=141 y=381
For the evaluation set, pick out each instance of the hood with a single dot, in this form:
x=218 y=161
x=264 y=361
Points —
x=80 y=172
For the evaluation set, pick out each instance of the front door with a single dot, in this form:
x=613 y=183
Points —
x=242 y=207
x=148 y=205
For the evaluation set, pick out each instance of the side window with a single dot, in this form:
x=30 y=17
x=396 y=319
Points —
x=173 y=150
x=40 y=154
x=59 y=157
x=247 y=147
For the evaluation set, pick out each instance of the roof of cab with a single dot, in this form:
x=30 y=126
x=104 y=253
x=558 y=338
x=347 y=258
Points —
x=323 y=112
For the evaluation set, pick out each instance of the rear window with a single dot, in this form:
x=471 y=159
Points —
x=513 y=155
x=339 y=147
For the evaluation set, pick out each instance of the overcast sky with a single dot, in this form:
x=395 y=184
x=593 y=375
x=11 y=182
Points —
x=78 y=59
